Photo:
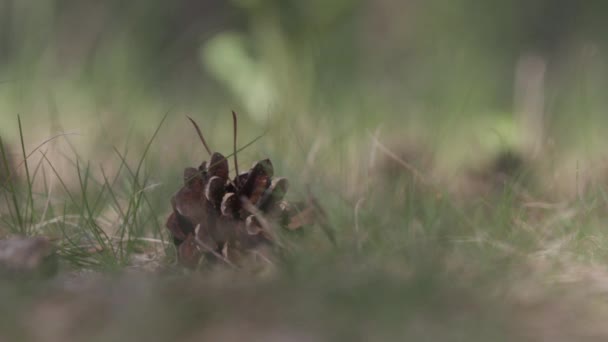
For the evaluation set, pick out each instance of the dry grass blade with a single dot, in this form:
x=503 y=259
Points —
x=236 y=163
x=357 y=228
x=265 y=225
x=208 y=249
x=200 y=134
x=417 y=174
x=303 y=218
x=46 y=141
x=322 y=219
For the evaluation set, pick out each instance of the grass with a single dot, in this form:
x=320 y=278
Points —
x=414 y=257
x=77 y=219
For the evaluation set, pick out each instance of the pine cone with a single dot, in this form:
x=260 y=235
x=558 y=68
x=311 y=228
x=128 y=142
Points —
x=216 y=216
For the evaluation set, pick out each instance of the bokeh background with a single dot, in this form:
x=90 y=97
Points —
x=457 y=146
x=457 y=67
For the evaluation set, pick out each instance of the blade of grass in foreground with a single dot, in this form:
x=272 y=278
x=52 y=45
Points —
x=135 y=200
x=30 y=199
x=9 y=186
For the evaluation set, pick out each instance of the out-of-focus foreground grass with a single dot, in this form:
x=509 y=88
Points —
x=457 y=147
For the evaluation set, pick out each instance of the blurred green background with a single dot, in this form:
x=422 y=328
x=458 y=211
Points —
x=448 y=65
x=447 y=86
x=453 y=82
